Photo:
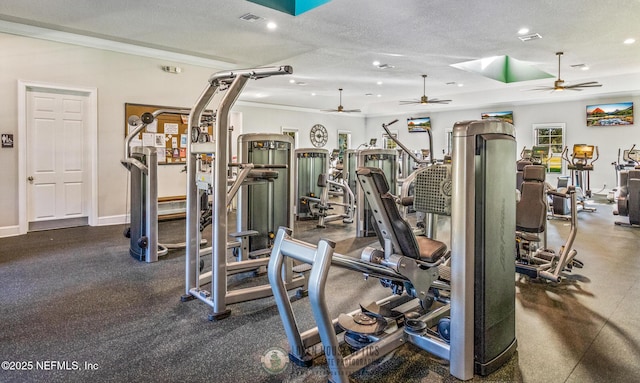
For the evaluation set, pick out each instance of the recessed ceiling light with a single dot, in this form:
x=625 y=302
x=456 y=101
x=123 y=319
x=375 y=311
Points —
x=379 y=95
x=271 y=25
x=460 y=85
x=379 y=83
x=629 y=41
x=523 y=31
x=376 y=63
x=292 y=81
x=313 y=94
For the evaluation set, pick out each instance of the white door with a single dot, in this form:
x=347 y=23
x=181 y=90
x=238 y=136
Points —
x=56 y=158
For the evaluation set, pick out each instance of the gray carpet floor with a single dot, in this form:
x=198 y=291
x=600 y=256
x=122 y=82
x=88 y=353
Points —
x=75 y=307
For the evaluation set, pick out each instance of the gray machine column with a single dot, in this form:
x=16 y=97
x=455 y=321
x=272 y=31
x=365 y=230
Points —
x=310 y=163
x=385 y=159
x=144 y=205
x=266 y=205
x=482 y=247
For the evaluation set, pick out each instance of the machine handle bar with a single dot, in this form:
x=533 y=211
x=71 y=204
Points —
x=401 y=145
x=258 y=166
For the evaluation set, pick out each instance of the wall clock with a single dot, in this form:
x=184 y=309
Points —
x=318 y=135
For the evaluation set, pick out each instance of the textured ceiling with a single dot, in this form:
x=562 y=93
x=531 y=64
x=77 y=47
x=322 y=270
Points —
x=334 y=45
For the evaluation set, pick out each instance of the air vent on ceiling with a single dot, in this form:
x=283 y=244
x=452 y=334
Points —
x=386 y=66
x=250 y=17
x=533 y=36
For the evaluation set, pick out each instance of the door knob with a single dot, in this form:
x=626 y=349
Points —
x=30 y=178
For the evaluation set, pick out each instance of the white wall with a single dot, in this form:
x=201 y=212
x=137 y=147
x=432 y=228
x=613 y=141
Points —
x=572 y=113
x=121 y=79
x=261 y=119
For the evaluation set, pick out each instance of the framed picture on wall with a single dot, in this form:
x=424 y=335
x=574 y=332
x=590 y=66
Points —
x=620 y=113
x=506 y=116
x=418 y=124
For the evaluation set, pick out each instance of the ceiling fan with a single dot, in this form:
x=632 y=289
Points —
x=341 y=108
x=424 y=99
x=558 y=85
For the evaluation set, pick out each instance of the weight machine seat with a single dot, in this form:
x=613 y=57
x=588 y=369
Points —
x=389 y=224
x=531 y=210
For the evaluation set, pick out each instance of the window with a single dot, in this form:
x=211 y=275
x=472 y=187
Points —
x=387 y=142
x=550 y=137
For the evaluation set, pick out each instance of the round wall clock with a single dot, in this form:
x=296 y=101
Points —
x=318 y=135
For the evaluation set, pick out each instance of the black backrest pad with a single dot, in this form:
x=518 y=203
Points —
x=401 y=229
x=531 y=210
x=533 y=173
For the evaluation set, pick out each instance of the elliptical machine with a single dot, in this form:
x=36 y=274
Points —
x=531 y=259
x=628 y=190
x=580 y=164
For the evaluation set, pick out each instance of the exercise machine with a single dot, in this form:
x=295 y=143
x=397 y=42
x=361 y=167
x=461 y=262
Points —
x=426 y=223
x=142 y=164
x=531 y=210
x=265 y=152
x=580 y=164
x=385 y=159
x=472 y=324
x=311 y=163
x=265 y=206
x=628 y=190
x=316 y=185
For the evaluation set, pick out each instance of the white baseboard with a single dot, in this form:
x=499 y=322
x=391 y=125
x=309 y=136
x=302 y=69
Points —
x=9 y=231
x=113 y=220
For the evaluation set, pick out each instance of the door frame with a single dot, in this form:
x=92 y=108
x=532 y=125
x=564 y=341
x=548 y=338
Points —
x=91 y=141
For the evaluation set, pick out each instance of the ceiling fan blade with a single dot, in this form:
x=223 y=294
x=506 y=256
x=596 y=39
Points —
x=424 y=99
x=351 y=111
x=559 y=84
x=329 y=110
x=590 y=84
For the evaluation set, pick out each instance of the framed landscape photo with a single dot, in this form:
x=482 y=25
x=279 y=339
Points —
x=506 y=116
x=620 y=113
x=418 y=124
